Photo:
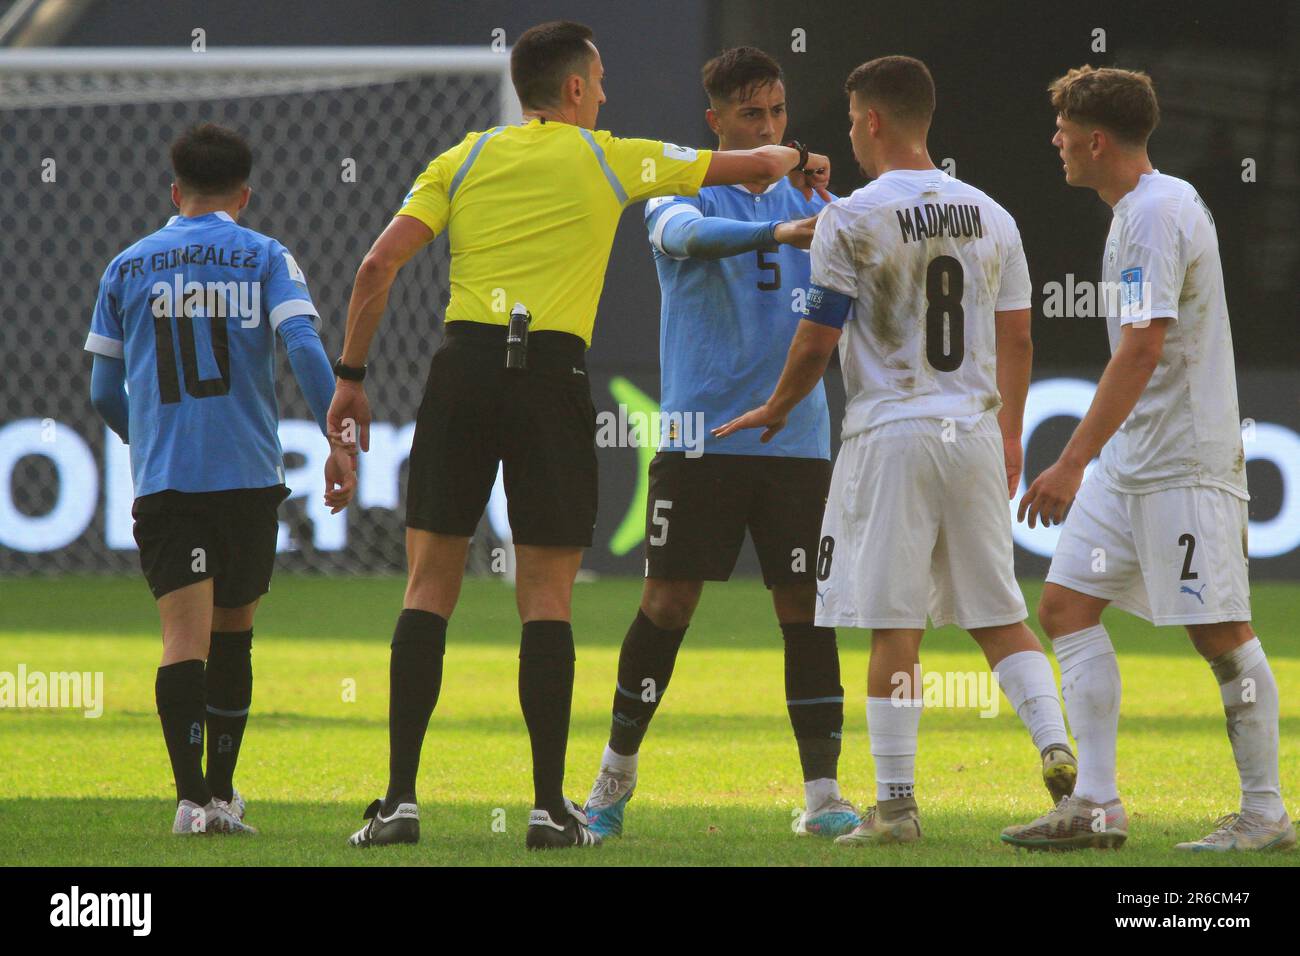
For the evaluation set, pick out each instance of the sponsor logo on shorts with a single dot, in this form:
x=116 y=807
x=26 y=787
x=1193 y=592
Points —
x=1194 y=593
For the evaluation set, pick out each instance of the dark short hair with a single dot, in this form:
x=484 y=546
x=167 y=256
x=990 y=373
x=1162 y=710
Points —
x=1123 y=101
x=211 y=160
x=901 y=84
x=738 y=73
x=545 y=56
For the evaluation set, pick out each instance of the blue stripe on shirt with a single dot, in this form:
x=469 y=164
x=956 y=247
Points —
x=614 y=184
x=469 y=160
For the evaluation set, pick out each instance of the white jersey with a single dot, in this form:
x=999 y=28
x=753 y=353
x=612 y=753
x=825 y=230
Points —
x=927 y=260
x=1162 y=255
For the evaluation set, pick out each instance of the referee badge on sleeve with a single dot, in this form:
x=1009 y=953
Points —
x=683 y=153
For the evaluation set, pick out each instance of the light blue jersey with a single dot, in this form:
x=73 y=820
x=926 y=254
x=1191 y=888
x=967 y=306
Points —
x=725 y=324
x=193 y=310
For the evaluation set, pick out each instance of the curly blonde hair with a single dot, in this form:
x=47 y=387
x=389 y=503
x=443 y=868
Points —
x=1122 y=101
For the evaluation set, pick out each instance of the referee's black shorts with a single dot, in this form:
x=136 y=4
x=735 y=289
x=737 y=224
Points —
x=539 y=422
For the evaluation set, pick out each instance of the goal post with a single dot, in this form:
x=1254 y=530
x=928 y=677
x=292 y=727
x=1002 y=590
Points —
x=42 y=69
x=338 y=136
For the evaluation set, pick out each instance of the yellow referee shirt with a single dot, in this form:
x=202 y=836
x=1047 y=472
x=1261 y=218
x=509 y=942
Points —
x=532 y=211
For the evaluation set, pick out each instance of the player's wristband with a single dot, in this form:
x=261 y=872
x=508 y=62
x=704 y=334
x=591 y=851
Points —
x=803 y=155
x=349 y=373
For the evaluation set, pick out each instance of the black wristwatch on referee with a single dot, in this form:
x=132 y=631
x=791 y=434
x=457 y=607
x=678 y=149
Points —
x=803 y=156
x=349 y=373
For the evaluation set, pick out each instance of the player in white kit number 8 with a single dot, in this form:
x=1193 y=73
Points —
x=921 y=281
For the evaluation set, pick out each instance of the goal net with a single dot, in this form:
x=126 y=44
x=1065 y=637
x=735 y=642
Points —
x=338 y=135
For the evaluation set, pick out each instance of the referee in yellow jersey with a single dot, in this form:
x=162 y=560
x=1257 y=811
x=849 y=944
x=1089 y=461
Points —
x=530 y=213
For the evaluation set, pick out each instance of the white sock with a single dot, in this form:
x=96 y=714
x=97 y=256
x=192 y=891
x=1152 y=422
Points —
x=620 y=762
x=1026 y=678
x=893 y=731
x=1091 y=688
x=1250 y=701
x=817 y=792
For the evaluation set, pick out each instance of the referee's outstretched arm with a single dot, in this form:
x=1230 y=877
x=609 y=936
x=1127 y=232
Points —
x=406 y=235
x=765 y=164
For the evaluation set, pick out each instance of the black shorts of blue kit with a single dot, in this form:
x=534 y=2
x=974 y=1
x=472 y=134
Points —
x=699 y=509
x=537 y=423
x=228 y=536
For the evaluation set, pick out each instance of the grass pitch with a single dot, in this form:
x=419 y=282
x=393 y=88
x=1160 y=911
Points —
x=719 y=771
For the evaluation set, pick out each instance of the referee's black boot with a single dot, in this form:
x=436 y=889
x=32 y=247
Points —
x=545 y=834
x=400 y=826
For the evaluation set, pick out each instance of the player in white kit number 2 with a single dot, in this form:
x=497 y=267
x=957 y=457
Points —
x=921 y=281
x=1159 y=528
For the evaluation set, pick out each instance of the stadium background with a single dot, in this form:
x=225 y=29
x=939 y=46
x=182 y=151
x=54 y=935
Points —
x=1226 y=76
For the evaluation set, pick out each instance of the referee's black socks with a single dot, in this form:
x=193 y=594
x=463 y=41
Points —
x=414 y=680
x=645 y=664
x=814 y=697
x=178 y=691
x=546 y=696
x=228 y=683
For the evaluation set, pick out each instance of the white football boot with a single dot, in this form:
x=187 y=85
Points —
x=609 y=796
x=889 y=822
x=216 y=817
x=1245 y=831
x=1073 y=824
x=835 y=817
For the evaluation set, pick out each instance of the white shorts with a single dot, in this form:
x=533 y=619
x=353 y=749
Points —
x=1176 y=556
x=915 y=524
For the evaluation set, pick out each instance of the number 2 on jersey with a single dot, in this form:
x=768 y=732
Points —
x=945 y=322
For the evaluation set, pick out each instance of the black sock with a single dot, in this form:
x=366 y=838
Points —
x=648 y=654
x=178 y=692
x=814 y=697
x=228 y=685
x=414 y=680
x=545 y=696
